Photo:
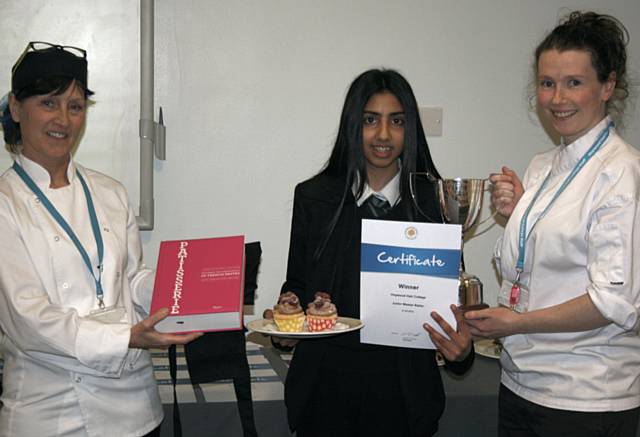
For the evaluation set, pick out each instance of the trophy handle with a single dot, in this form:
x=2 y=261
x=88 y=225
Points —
x=481 y=222
x=431 y=178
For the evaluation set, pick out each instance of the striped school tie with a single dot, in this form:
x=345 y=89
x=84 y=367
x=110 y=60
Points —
x=377 y=206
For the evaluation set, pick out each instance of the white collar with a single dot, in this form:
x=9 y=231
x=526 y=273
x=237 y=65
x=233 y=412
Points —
x=570 y=154
x=39 y=174
x=390 y=192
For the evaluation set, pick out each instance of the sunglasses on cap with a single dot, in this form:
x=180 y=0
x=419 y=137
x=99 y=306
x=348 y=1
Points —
x=40 y=46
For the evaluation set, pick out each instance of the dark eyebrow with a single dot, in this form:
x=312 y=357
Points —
x=392 y=114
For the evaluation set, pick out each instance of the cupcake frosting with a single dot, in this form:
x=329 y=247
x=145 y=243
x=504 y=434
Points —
x=321 y=305
x=288 y=303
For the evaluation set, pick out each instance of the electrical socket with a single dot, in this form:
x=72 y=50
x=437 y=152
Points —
x=431 y=118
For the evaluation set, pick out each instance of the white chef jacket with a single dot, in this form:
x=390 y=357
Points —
x=66 y=374
x=589 y=242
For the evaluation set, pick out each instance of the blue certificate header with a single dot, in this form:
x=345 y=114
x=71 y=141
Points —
x=444 y=263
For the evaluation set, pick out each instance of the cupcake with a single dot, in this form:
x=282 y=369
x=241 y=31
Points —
x=288 y=313
x=321 y=313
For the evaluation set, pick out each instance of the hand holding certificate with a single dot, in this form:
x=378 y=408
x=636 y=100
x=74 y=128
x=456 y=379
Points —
x=457 y=344
x=408 y=271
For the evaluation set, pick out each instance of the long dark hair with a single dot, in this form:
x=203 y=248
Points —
x=347 y=161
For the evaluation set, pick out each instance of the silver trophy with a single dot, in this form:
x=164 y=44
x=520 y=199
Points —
x=460 y=203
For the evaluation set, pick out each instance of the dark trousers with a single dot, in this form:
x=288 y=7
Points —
x=352 y=404
x=518 y=417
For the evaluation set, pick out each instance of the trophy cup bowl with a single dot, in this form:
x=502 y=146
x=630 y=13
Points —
x=460 y=202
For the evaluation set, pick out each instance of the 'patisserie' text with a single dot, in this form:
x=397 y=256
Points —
x=177 y=288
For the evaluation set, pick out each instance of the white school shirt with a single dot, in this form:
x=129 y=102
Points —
x=589 y=242
x=390 y=192
x=64 y=373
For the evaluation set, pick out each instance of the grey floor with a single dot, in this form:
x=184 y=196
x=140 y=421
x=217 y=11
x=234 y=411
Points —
x=471 y=402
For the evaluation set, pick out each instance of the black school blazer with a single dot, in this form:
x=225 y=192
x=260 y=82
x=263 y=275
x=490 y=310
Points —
x=315 y=204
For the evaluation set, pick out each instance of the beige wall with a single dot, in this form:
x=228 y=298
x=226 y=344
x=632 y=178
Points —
x=252 y=92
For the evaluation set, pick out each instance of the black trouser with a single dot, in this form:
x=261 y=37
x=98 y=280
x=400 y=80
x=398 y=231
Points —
x=518 y=417
x=349 y=404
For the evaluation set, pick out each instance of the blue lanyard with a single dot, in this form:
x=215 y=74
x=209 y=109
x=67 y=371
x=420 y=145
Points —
x=63 y=223
x=522 y=235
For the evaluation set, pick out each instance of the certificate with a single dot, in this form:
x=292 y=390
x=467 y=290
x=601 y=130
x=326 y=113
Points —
x=407 y=270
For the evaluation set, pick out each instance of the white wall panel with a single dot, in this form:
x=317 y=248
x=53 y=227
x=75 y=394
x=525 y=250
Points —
x=252 y=92
x=108 y=30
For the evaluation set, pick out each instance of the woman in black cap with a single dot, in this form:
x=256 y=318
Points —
x=73 y=290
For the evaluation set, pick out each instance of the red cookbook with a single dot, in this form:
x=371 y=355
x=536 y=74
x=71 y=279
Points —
x=202 y=283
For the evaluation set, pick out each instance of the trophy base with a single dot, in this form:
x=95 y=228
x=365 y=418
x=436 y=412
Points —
x=478 y=306
x=470 y=293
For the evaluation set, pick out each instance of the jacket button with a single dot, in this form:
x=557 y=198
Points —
x=56 y=238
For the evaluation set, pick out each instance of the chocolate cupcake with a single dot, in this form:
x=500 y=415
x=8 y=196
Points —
x=321 y=313
x=288 y=313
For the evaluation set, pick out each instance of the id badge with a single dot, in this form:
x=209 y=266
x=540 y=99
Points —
x=514 y=296
x=112 y=314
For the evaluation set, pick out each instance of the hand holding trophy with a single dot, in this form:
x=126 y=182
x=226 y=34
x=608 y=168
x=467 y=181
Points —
x=460 y=203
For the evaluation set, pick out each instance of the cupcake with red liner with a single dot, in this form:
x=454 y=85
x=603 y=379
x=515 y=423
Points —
x=321 y=313
x=288 y=313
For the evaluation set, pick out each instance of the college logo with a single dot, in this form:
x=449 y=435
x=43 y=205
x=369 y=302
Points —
x=411 y=233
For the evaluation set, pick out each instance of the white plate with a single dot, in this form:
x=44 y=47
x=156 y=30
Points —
x=268 y=327
x=487 y=347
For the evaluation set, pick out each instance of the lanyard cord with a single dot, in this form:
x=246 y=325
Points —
x=522 y=234
x=63 y=223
